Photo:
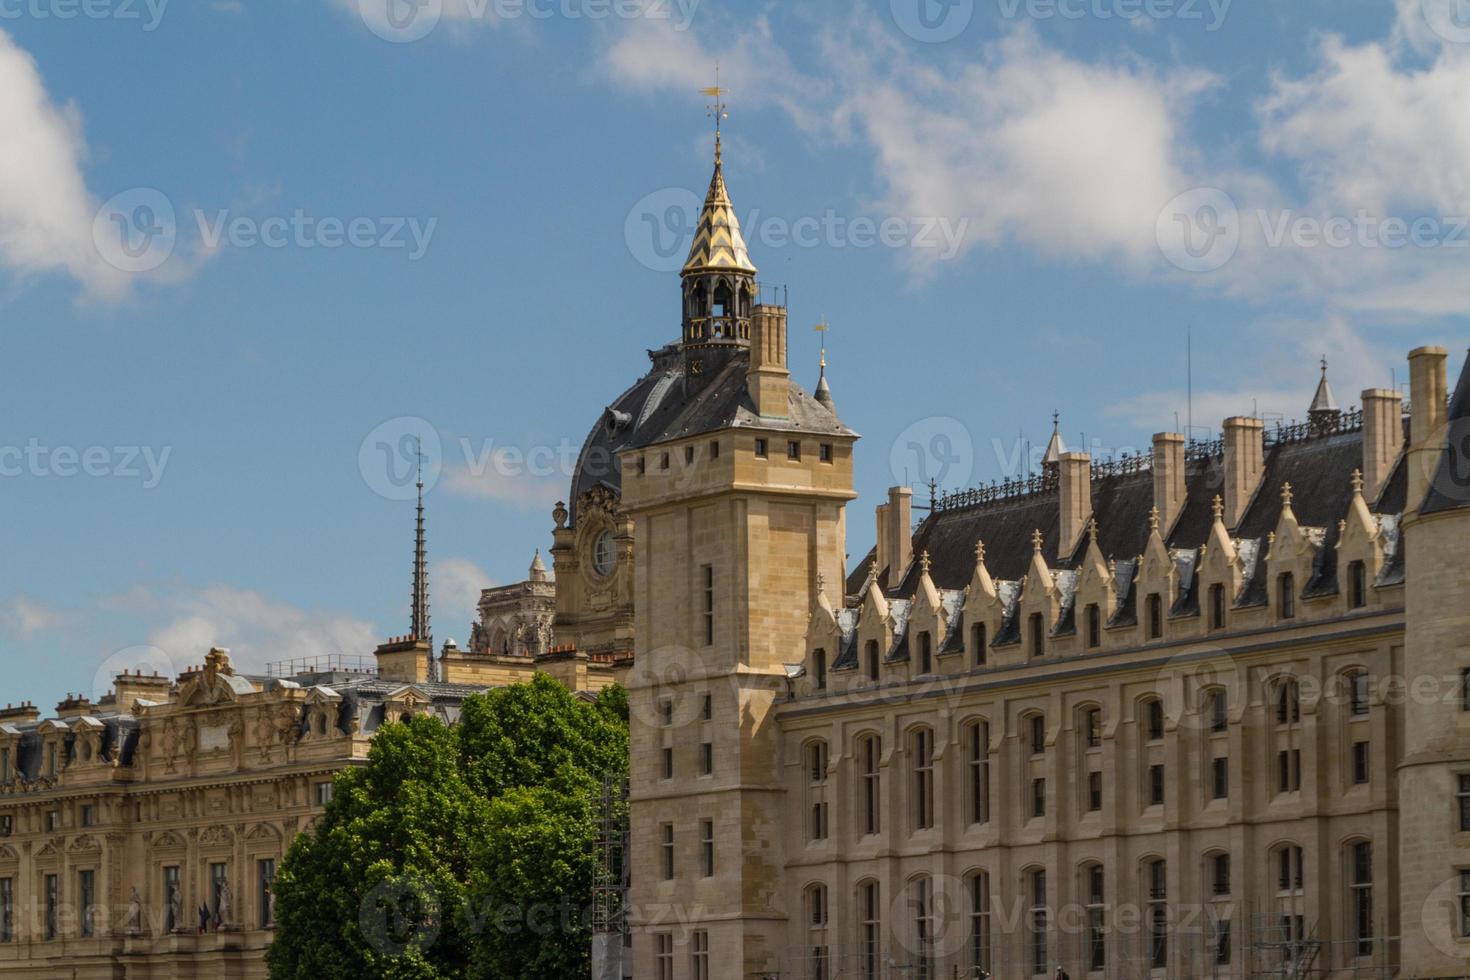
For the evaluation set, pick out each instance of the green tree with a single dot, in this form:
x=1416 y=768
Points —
x=458 y=852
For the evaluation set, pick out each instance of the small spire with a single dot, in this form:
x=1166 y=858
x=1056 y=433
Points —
x=1219 y=508
x=1286 y=497
x=1055 y=447
x=1358 y=482
x=1323 y=413
x=1036 y=539
x=821 y=583
x=924 y=563
x=823 y=393
x=538 y=568
x=420 y=624
x=1153 y=519
x=1092 y=528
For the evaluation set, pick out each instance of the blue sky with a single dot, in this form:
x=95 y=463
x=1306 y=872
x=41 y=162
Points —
x=189 y=427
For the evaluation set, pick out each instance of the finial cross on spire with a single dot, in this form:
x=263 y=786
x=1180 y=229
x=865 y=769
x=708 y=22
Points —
x=924 y=562
x=1219 y=508
x=1357 y=481
x=1036 y=540
x=1286 y=495
x=1092 y=528
x=980 y=552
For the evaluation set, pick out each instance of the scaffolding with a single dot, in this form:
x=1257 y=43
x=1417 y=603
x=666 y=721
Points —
x=610 y=886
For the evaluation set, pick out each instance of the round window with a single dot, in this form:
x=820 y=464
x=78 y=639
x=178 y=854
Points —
x=603 y=556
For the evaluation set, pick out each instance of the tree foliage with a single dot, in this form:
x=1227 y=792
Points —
x=464 y=851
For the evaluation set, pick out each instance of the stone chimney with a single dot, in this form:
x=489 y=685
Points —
x=880 y=552
x=129 y=687
x=405 y=658
x=1427 y=421
x=899 y=520
x=1075 y=481
x=1383 y=437
x=768 y=378
x=1168 y=471
x=21 y=714
x=1245 y=464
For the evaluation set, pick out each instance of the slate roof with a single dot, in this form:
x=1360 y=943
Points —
x=1319 y=468
x=674 y=400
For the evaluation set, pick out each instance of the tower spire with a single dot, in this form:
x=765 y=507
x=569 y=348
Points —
x=420 y=630
x=823 y=393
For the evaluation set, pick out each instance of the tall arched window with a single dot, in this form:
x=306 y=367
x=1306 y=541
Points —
x=1037 y=920
x=1096 y=949
x=1038 y=635
x=1360 y=895
x=816 y=761
x=1094 y=626
x=926 y=652
x=1158 y=913
x=1357 y=585
x=1153 y=710
x=870 y=930
x=869 y=753
x=921 y=778
x=980 y=922
x=921 y=905
x=818 y=948
x=819 y=669
x=1288 y=703
x=871 y=656
x=1155 y=616
x=1217 y=607
x=977 y=770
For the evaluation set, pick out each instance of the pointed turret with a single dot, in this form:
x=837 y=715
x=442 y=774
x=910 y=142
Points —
x=823 y=393
x=719 y=278
x=1324 y=413
x=538 y=568
x=1051 y=461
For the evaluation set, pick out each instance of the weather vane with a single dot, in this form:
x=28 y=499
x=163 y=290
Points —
x=822 y=329
x=718 y=108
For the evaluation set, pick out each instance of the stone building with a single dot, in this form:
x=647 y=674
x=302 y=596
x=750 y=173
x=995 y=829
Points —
x=1145 y=717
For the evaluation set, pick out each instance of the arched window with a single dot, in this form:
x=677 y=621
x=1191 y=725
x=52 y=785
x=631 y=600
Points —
x=1288 y=703
x=1038 y=635
x=1091 y=725
x=980 y=922
x=870 y=930
x=1157 y=873
x=1096 y=949
x=1358 y=694
x=869 y=753
x=818 y=949
x=921 y=778
x=1153 y=710
x=1286 y=595
x=978 y=648
x=1037 y=919
x=1036 y=733
x=816 y=761
x=1290 y=875
x=871 y=657
x=1360 y=895
x=1217 y=707
x=921 y=904
x=977 y=745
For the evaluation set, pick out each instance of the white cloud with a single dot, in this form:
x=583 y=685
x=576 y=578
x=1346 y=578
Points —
x=46 y=211
x=454 y=586
x=255 y=628
x=21 y=615
x=522 y=490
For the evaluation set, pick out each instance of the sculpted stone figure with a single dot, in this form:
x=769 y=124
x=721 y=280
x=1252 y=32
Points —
x=176 y=906
x=133 y=925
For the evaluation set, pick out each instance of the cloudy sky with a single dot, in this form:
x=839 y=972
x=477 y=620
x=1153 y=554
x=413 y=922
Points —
x=250 y=251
